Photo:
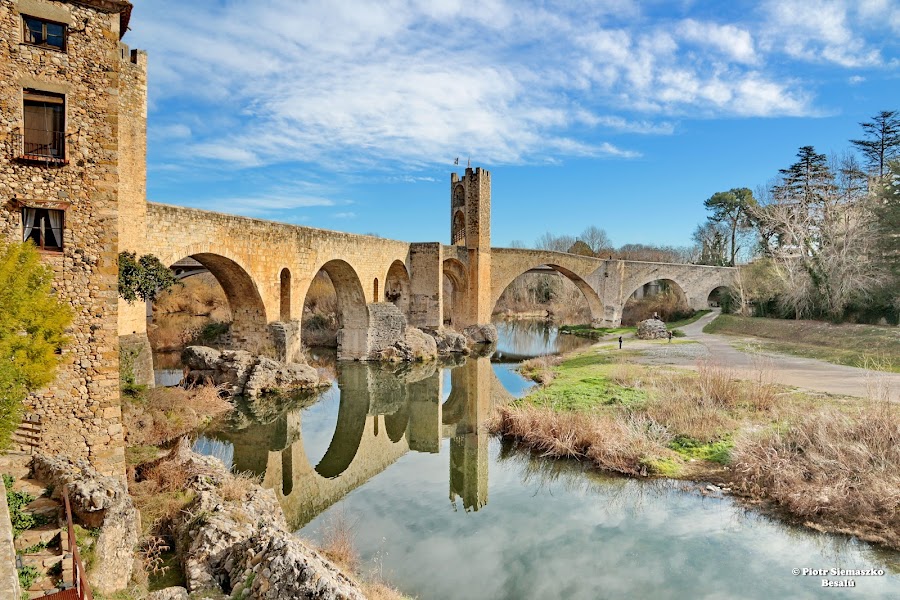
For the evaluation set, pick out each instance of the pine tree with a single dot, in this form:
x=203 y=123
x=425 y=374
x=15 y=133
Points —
x=808 y=181
x=882 y=143
x=732 y=208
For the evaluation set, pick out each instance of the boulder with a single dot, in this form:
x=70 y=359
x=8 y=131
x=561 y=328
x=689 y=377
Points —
x=481 y=334
x=243 y=544
x=97 y=501
x=652 y=329
x=449 y=342
x=242 y=373
x=272 y=376
x=416 y=345
x=169 y=593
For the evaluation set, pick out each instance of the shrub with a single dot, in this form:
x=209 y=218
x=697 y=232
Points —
x=32 y=330
x=143 y=277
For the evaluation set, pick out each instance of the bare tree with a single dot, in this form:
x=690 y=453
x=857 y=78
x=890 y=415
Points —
x=596 y=239
x=556 y=243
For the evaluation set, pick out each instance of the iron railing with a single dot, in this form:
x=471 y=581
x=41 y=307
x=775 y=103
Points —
x=82 y=589
x=40 y=145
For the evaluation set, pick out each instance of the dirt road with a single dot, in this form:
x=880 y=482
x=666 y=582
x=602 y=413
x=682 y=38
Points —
x=795 y=371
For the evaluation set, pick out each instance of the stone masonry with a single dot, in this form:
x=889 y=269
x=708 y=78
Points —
x=80 y=411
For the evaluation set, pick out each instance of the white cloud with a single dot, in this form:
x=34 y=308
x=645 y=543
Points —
x=360 y=84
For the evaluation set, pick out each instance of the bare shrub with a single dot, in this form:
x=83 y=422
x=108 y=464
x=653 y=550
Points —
x=163 y=414
x=151 y=555
x=338 y=541
x=835 y=467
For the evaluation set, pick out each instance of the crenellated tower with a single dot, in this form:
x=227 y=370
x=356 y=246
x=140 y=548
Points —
x=470 y=231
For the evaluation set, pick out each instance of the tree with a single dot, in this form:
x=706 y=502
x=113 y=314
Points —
x=823 y=236
x=596 y=239
x=580 y=247
x=33 y=322
x=887 y=221
x=732 y=208
x=555 y=243
x=143 y=278
x=882 y=143
x=712 y=237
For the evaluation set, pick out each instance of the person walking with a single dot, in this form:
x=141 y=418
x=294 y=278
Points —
x=669 y=333
x=620 y=342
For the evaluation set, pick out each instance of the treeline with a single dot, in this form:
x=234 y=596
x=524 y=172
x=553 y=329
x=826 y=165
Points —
x=822 y=238
x=595 y=242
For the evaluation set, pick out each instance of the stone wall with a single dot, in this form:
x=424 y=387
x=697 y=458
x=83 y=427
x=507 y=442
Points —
x=80 y=410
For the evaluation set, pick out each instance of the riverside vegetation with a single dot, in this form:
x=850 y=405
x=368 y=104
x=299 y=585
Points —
x=829 y=463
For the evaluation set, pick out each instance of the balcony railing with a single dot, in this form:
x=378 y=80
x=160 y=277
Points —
x=40 y=146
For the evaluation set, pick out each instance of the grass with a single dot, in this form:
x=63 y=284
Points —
x=864 y=346
x=833 y=463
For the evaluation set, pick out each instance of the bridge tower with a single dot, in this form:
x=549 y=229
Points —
x=470 y=232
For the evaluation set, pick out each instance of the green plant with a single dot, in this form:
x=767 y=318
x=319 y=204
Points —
x=145 y=277
x=33 y=322
x=35 y=548
x=27 y=576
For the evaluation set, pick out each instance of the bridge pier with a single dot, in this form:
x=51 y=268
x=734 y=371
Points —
x=286 y=339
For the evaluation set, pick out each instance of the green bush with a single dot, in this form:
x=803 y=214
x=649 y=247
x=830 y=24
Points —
x=145 y=277
x=27 y=576
x=33 y=322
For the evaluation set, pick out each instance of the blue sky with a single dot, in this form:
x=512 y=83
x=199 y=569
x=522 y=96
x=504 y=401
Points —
x=347 y=114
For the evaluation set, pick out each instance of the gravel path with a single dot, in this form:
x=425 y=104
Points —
x=795 y=371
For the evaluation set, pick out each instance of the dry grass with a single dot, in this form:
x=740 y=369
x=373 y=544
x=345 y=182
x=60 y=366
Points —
x=835 y=467
x=161 y=414
x=338 y=541
x=200 y=295
x=540 y=369
x=238 y=487
x=611 y=444
x=159 y=491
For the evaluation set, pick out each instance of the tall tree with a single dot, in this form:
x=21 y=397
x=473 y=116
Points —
x=556 y=243
x=712 y=238
x=882 y=140
x=732 y=208
x=807 y=182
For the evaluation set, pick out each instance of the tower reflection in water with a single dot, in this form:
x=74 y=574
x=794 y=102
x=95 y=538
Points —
x=384 y=412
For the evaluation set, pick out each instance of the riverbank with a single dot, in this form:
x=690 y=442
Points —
x=827 y=462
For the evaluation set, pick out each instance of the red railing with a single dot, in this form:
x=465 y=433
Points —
x=82 y=589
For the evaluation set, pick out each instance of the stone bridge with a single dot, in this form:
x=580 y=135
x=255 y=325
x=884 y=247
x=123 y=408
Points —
x=266 y=269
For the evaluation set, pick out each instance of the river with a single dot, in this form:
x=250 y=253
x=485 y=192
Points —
x=441 y=509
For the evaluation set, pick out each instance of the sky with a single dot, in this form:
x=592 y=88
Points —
x=349 y=114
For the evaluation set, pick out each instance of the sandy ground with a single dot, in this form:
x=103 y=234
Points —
x=806 y=373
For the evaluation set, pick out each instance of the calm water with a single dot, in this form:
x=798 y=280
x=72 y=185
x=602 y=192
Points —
x=442 y=510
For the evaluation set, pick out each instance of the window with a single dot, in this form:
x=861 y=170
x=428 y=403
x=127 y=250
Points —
x=44 y=125
x=39 y=32
x=44 y=227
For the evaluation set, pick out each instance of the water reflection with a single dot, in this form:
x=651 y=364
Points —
x=520 y=339
x=373 y=415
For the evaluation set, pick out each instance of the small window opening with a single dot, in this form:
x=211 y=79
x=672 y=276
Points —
x=47 y=34
x=44 y=227
x=375 y=296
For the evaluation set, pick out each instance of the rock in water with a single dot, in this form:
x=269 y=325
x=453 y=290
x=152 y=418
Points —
x=245 y=374
x=482 y=334
x=652 y=329
x=448 y=341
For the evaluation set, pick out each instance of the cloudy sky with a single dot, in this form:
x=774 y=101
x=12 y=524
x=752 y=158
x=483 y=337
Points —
x=348 y=114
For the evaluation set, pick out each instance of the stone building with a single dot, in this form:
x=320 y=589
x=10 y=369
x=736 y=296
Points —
x=72 y=167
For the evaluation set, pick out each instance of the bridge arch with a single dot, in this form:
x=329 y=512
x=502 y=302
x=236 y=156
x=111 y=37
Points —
x=671 y=283
x=595 y=305
x=456 y=291
x=397 y=286
x=352 y=313
x=248 y=311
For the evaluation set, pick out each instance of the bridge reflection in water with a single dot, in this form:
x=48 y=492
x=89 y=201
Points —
x=384 y=412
